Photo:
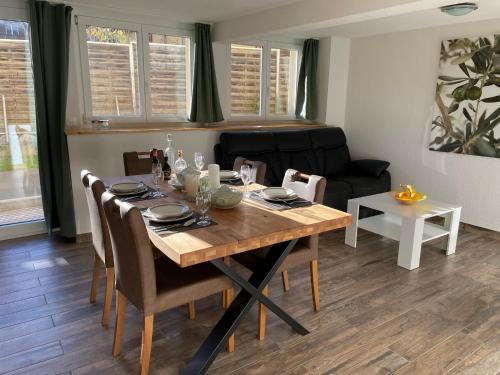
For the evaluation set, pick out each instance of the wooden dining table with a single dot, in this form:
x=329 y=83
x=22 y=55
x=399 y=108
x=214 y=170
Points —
x=250 y=225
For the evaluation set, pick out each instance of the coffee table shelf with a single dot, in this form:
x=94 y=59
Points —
x=390 y=226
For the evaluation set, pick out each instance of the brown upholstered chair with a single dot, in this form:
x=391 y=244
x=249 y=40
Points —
x=259 y=166
x=305 y=252
x=100 y=240
x=139 y=162
x=152 y=286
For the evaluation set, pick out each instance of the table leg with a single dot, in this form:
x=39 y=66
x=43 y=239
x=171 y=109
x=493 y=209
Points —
x=251 y=292
x=410 y=243
x=451 y=224
x=351 y=232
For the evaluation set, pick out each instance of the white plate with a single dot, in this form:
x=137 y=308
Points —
x=168 y=211
x=278 y=193
x=228 y=175
x=171 y=220
x=127 y=187
x=137 y=192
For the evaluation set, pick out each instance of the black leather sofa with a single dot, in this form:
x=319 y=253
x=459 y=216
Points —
x=321 y=151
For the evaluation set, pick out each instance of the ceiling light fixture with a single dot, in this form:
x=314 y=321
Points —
x=460 y=9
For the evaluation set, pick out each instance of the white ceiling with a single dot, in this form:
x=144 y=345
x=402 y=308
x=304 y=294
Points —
x=187 y=10
x=488 y=9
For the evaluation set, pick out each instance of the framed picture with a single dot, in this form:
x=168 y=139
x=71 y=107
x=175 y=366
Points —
x=467 y=104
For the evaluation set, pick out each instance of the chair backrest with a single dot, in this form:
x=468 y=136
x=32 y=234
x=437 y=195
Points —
x=94 y=188
x=139 y=162
x=310 y=187
x=258 y=166
x=134 y=263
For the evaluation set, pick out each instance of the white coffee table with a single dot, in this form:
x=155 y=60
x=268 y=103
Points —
x=406 y=224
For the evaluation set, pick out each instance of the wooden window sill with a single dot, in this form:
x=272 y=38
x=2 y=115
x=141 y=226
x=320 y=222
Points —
x=182 y=126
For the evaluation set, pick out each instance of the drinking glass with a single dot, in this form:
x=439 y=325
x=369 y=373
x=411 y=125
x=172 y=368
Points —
x=199 y=160
x=203 y=199
x=157 y=178
x=246 y=174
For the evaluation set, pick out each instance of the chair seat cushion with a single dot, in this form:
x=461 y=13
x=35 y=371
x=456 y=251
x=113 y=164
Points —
x=176 y=286
x=299 y=255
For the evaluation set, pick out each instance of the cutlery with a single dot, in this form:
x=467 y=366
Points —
x=145 y=195
x=186 y=224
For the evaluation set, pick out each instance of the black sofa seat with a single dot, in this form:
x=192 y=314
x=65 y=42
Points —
x=322 y=152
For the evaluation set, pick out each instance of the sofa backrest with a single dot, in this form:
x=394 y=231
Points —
x=316 y=151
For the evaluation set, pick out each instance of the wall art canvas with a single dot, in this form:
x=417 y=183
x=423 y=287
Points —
x=467 y=105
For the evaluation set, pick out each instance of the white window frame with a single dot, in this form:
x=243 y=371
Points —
x=143 y=31
x=263 y=74
x=265 y=80
x=146 y=30
x=84 y=60
x=292 y=85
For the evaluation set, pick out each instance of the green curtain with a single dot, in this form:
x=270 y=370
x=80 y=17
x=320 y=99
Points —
x=307 y=88
x=205 y=105
x=50 y=30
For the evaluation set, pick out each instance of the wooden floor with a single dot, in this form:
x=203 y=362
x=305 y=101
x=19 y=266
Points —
x=375 y=317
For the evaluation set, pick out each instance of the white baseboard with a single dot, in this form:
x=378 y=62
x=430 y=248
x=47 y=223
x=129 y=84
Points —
x=8 y=232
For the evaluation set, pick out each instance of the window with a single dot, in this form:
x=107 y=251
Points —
x=263 y=80
x=282 y=81
x=113 y=71
x=20 y=199
x=169 y=75
x=133 y=71
x=246 y=73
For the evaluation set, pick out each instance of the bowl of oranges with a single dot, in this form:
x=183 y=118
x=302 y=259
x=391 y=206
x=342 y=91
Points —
x=408 y=195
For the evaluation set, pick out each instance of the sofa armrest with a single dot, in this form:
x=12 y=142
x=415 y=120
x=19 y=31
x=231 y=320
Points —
x=369 y=167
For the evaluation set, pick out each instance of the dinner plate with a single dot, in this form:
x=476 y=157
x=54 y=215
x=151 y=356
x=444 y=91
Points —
x=170 y=220
x=228 y=175
x=127 y=187
x=129 y=194
x=168 y=211
x=278 y=194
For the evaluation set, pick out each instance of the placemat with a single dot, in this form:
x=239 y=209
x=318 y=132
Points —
x=138 y=197
x=280 y=206
x=153 y=224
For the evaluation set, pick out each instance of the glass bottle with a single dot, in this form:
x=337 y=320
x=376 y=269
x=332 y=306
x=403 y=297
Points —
x=169 y=152
x=180 y=164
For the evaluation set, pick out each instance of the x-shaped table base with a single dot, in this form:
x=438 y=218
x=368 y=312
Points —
x=251 y=292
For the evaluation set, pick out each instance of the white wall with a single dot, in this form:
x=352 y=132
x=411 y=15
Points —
x=392 y=82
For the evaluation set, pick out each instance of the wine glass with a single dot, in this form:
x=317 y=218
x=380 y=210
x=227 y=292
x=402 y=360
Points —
x=199 y=160
x=246 y=177
x=157 y=178
x=203 y=199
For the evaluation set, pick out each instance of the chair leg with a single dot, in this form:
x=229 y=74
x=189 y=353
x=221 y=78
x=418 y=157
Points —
x=314 y=284
x=284 y=276
x=229 y=299
x=191 y=310
x=262 y=316
x=147 y=340
x=108 y=295
x=95 y=278
x=121 y=302
x=224 y=302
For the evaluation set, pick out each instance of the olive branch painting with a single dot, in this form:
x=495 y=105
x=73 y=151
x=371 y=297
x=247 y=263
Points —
x=467 y=103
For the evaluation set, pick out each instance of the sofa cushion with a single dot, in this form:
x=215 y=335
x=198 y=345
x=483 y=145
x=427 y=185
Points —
x=337 y=193
x=367 y=185
x=331 y=151
x=368 y=167
x=295 y=151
